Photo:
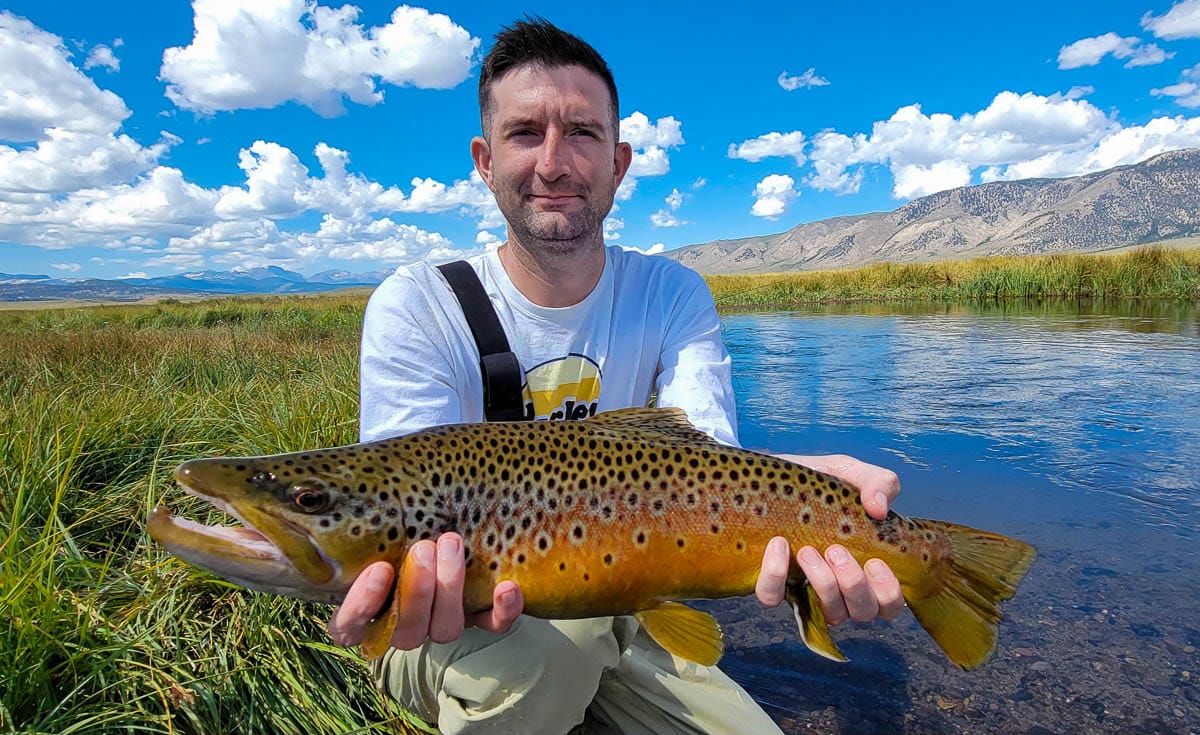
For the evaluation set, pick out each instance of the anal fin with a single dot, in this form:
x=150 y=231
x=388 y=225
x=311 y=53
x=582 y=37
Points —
x=684 y=632
x=814 y=629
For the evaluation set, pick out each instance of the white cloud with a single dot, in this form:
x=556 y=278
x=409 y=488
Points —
x=488 y=240
x=1017 y=135
x=262 y=54
x=654 y=249
x=916 y=181
x=807 y=79
x=665 y=217
x=612 y=228
x=65 y=128
x=650 y=142
x=1090 y=51
x=103 y=55
x=134 y=274
x=637 y=131
x=772 y=196
x=772 y=144
x=699 y=183
x=1181 y=21
x=1186 y=92
x=68 y=267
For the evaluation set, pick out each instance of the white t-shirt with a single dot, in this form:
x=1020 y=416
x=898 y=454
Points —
x=648 y=326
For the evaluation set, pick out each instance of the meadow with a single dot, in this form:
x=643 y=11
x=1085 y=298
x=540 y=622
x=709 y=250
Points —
x=103 y=632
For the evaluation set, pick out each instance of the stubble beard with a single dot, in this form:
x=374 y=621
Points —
x=554 y=233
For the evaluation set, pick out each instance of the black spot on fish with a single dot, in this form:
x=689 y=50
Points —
x=608 y=559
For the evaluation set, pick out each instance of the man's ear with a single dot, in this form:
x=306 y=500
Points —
x=481 y=154
x=622 y=157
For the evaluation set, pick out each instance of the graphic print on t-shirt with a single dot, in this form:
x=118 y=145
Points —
x=566 y=388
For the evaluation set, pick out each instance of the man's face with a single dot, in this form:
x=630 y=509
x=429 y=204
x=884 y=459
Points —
x=552 y=159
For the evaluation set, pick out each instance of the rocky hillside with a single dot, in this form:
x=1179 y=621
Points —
x=1158 y=199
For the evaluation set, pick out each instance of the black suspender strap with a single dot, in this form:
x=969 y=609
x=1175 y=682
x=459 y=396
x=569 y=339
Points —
x=502 y=374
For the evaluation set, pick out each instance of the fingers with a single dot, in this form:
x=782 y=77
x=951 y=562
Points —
x=365 y=597
x=418 y=585
x=507 y=604
x=772 y=579
x=886 y=589
x=878 y=486
x=447 y=619
x=848 y=591
x=825 y=583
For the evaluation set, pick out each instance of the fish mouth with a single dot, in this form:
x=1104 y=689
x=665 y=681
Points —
x=265 y=553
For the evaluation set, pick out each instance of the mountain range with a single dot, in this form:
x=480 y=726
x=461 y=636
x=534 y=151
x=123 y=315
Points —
x=1157 y=199
x=271 y=279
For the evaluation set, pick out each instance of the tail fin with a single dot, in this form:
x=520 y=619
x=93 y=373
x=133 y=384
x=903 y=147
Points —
x=961 y=614
x=959 y=607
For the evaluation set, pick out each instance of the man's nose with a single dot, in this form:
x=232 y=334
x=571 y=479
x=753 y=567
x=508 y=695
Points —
x=552 y=157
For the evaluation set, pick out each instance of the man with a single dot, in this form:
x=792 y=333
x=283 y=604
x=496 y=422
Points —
x=594 y=327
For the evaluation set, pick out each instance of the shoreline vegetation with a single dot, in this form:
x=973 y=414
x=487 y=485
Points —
x=1151 y=272
x=101 y=631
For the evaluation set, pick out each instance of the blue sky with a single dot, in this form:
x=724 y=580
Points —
x=150 y=138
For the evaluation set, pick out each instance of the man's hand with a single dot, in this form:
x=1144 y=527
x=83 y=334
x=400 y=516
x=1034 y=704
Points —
x=846 y=589
x=435 y=611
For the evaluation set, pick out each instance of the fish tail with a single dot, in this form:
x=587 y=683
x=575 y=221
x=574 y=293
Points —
x=958 y=604
x=961 y=608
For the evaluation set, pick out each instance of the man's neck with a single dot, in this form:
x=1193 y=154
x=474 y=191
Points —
x=553 y=279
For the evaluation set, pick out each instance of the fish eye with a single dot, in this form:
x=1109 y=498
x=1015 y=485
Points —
x=310 y=499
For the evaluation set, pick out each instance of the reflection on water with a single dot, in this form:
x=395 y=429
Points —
x=1074 y=427
x=1092 y=400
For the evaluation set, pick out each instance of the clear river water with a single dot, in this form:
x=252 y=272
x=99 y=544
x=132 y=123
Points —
x=1073 y=427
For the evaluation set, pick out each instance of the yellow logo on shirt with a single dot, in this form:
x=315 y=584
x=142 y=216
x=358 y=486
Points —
x=564 y=389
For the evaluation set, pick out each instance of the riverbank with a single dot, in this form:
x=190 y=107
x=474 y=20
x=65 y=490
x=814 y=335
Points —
x=1153 y=272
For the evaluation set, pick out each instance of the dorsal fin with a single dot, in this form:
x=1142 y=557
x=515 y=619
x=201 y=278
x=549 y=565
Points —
x=668 y=424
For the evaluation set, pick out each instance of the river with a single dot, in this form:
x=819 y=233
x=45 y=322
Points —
x=1073 y=427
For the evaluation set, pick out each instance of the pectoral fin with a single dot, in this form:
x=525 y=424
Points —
x=814 y=630
x=684 y=632
x=377 y=637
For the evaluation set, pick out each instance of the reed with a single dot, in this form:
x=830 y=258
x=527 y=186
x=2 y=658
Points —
x=103 y=632
x=1152 y=272
x=100 y=630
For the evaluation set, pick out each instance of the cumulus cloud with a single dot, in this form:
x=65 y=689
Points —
x=665 y=217
x=650 y=142
x=1090 y=51
x=654 y=249
x=263 y=54
x=1181 y=21
x=772 y=196
x=772 y=144
x=807 y=79
x=1015 y=136
x=68 y=267
x=65 y=128
x=1186 y=92
x=103 y=55
x=612 y=228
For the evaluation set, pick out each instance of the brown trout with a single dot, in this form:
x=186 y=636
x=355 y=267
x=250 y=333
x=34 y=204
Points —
x=624 y=513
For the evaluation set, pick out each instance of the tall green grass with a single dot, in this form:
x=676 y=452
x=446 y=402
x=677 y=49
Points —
x=100 y=630
x=1150 y=272
x=103 y=632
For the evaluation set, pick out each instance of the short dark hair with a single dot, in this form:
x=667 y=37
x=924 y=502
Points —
x=537 y=41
